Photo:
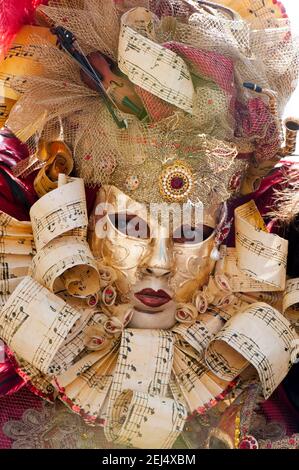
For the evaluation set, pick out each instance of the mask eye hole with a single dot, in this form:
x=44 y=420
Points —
x=130 y=225
x=186 y=234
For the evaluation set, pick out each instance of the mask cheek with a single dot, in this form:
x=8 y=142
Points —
x=192 y=269
x=124 y=255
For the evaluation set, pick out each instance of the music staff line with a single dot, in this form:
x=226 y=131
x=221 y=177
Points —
x=257 y=247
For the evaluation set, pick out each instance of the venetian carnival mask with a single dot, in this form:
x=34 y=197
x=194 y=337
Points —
x=141 y=316
x=160 y=259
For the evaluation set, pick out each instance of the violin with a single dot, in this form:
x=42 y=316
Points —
x=117 y=85
x=102 y=75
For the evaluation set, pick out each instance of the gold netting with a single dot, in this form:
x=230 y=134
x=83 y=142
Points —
x=58 y=102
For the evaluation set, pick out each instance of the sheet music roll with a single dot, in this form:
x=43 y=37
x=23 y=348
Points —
x=35 y=324
x=290 y=303
x=259 y=336
x=16 y=251
x=59 y=222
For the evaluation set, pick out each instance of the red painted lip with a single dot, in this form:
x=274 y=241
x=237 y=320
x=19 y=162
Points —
x=152 y=298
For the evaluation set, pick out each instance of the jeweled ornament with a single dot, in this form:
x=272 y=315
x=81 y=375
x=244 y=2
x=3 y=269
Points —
x=176 y=182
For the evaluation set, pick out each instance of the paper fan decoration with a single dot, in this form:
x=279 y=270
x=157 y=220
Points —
x=259 y=12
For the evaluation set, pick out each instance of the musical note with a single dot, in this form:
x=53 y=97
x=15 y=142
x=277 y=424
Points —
x=19 y=50
x=266 y=346
x=153 y=67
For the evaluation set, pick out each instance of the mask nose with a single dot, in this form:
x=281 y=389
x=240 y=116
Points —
x=158 y=263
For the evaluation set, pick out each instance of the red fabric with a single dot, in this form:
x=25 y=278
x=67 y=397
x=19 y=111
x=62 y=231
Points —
x=256 y=120
x=10 y=382
x=279 y=409
x=16 y=195
x=208 y=64
x=13 y=407
x=13 y=15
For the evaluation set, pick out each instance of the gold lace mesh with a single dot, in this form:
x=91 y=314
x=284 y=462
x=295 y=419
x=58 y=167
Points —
x=58 y=100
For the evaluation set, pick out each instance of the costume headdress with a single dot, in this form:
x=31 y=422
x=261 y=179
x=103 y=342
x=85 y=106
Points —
x=197 y=139
x=204 y=103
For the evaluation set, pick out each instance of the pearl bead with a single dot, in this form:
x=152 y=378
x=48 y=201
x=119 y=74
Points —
x=215 y=254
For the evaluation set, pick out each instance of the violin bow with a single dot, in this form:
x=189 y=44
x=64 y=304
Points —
x=69 y=44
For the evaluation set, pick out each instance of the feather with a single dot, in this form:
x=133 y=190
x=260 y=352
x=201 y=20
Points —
x=13 y=15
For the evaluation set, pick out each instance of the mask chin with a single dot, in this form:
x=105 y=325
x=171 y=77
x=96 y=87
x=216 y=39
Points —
x=157 y=321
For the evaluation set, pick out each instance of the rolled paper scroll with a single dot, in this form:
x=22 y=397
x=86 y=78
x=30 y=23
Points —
x=63 y=260
x=32 y=308
x=59 y=160
x=58 y=212
x=290 y=303
x=261 y=255
x=259 y=336
x=154 y=68
x=258 y=263
x=56 y=263
x=16 y=251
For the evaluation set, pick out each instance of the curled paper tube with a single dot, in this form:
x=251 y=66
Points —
x=59 y=212
x=83 y=279
x=258 y=262
x=146 y=63
x=96 y=338
x=108 y=296
x=259 y=336
x=63 y=260
x=107 y=274
x=290 y=302
x=186 y=313
x=67 y=263
x=59 y=160
x=217 y=292
x=48 y=316
x=292 y=128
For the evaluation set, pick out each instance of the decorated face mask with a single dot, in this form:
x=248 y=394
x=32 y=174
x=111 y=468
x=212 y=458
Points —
x=159 y=260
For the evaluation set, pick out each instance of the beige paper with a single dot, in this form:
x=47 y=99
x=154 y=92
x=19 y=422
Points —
x=259 y=335
x=35 y=323
x=146 y=383
x=237 y=305
x=239 y=280
x=194 y=386
x=58 y=212
x=64 y=260
x=151 y=66
x=261 y=255
x=58 y=259
x=201 y=332
x=87 y=381
x=16 y=251
x=290 y=304
x=146 y=421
